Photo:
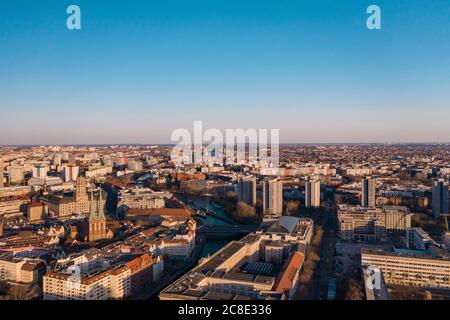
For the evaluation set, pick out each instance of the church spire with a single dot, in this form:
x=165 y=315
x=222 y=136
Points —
x=92 y=208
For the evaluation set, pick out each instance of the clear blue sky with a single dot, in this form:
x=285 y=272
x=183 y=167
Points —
x=139 y=69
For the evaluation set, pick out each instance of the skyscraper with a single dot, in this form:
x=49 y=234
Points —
x=247 y=189
x=368 y=192
x=272 y=197
x=439 y=198
x=312 y=193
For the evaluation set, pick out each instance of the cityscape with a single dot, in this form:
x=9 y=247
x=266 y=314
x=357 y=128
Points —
x=224 y=157
x=333 y=222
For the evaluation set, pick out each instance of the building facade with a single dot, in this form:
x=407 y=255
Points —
x=368 y=192
x=439 y=200
x=272 y=197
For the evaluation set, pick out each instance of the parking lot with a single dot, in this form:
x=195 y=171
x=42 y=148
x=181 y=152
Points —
x=348 y=255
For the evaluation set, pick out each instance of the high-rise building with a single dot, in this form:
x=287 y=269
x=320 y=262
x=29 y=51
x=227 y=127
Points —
x=272 y=197
x=70 y=172
x=40 y=171
x=368 y=192
x=312 y=193
x=439 y=198
x=247 y=189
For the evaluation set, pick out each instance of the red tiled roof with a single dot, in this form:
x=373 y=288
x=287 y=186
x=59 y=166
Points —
x=285 y=280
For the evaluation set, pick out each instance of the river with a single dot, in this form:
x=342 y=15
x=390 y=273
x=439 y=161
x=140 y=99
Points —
x=211 y=244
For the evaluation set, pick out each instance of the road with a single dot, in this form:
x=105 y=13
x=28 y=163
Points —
x=330 y=237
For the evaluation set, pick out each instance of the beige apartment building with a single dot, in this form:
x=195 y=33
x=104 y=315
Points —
x=14 y=206
x=19 y=270
x=79 y=203
x=108 y=284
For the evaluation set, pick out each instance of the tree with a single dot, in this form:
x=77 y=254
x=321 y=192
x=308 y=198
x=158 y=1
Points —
x=245 y=213
x=231 y=195
x=292 y=208
x=3 y=287
x=21 y=292
x=317 y=239
x=244 y=210
x=354 y=290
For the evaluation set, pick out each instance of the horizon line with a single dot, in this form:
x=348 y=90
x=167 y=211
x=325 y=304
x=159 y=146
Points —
x=167 y=144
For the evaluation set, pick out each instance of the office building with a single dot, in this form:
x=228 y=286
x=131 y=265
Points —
x=371 y=223
x=405 y=267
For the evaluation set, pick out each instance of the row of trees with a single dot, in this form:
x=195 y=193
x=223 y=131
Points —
x=309 y=274
x=18 y=292
x=350 y=286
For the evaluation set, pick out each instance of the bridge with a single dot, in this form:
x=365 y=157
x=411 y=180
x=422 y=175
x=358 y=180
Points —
x=227 y=230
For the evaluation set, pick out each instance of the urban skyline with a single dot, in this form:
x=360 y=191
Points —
x=247 y=151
